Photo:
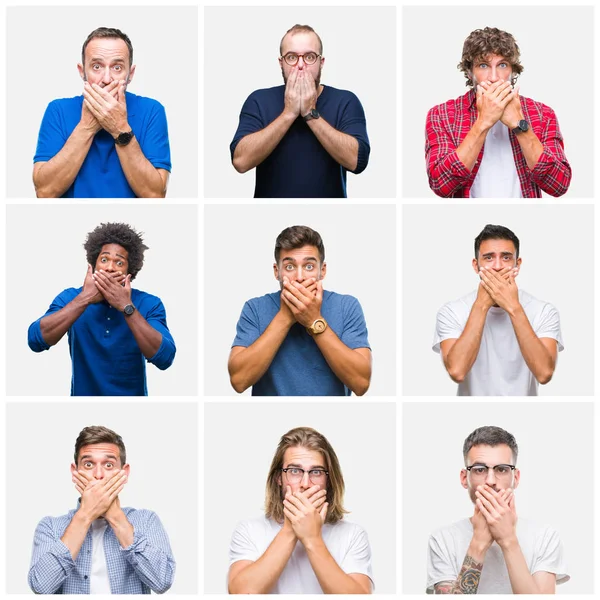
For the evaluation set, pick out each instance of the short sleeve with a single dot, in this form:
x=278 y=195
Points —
x=448 y=326
x=242 y=547
x=251 y=121
x=247 y=330
x=549 y=556
x=51 y=137
x=358 y=557
x=440 y=566
x=355 y=334
x=354 y=123
x=155 y=140
x=548 y=325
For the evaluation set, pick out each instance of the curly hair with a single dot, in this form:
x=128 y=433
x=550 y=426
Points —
x=117 y=233
x=490 y=40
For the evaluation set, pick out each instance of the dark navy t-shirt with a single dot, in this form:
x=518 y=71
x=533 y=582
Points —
x=101 y=174
x=299 y=368
x=299 y=166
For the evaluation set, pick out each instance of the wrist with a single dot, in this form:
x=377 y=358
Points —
x=514 y=310
x=478 y=549
x=288 y=115
x=84 y=517
x=87 y=130
x=509 y=543
x=312 y=544
x=84 y=299
x=115 y=517
x=482 y=305
x=481 y=127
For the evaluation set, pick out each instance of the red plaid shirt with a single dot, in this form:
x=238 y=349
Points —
x=447 y=126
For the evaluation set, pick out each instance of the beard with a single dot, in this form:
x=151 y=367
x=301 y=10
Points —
x=317 y=78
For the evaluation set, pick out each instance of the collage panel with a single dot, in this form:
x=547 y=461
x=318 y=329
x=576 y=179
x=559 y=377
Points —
x=503 y=309
x=113 y=327
x=101 y=516
x=295 y=459
x=523 y=521
x=116 y=116
x=512 y=98
x=334 y=113
x=334 y=335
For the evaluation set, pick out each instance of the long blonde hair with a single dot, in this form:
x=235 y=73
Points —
x=305 y=437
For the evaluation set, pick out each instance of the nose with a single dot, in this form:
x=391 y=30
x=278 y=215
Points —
x=494 y=75
x=98 y=472
x=305 y=483
x=497 y=266
x=109 y=266
x=491 y=478
x=301 y=62
x=106 y=77
x=300 y=274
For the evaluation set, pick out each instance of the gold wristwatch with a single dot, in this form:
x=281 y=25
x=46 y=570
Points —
x=319 y=326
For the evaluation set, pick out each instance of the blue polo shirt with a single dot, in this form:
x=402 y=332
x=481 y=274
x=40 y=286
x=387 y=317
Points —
x=299 y=166
x=299 y=368
x=106 y=360
x=101 y=174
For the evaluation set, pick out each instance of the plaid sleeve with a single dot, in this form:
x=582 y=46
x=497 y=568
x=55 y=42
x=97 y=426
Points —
x=445 y=171
x=552 y=172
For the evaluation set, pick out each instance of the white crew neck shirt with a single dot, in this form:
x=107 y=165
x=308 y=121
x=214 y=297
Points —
x=497 y=176
x=99 y=581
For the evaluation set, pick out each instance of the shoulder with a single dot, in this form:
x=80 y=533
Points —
x=143 y=103
x=139 y=296
x=460 y=305
x=264 y=301
x=56 y=523
x=451 y=532
x=267 y=94
x=344 y=300
x=539 y=107
x=255 y=526
x=533 y=304
x=349 y=528
x=69 y=294
x=450 y=107
x=341 y=95
x=140 y=515
x=66 y=104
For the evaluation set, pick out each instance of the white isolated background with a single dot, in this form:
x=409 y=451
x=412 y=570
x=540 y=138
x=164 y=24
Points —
x=241 y=48
x=557 y=248
x=163 y=478
x=236 y=473
x=360 y=250
x=557 y=53
x=44 y=47
x=556 y=458
x=46 y=255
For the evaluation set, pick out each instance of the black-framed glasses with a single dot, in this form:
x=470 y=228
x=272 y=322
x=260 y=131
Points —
x=481 y=471
x=310 y=58
x=296 y=475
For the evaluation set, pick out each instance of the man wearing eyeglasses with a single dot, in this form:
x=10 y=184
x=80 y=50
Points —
x=493 y=552
x=302 y=137
x=303 y=544
x=498 y=340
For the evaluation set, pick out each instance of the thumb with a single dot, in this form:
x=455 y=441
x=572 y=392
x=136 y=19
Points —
x=319 y=294
x=323 y=511
x=89 y=270
x=128 y=282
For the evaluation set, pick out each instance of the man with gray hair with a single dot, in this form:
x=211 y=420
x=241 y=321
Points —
x=302 y=136
x=519 y=556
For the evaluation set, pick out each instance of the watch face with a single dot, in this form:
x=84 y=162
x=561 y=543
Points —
x=314 y=113
x=124 y=138
x=128 y=310
x=319 y=326
x=523 y=125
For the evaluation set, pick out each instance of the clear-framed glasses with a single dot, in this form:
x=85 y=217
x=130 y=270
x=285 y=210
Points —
x=479 y=471
x=291 y=58
x=296 y=475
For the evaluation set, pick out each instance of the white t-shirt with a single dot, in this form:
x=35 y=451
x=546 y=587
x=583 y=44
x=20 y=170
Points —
x=497 y=175
x=499 y=369
x=346 y=541
x=99 y=581
x=541 y=547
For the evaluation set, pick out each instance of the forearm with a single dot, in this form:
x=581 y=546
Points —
x=350 y=367
x=521 y=580
x=122 y=528
x=141 y=175
x=531 y=147
x=470 y=147
x=260 y=576
x=75 y=533
x=329 y=574
x=343 y=148
x=469 y=576
x=53 y=327
x=53 y=178
x=147 y=338
x=536 y=355
x=250 y=364
x=252 y=149
x=463 y=353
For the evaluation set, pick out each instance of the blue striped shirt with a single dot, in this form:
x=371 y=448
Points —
x=147 y=564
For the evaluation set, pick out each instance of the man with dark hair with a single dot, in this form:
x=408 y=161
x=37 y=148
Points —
x=101 y=548
x=303 y=544
x=112 y=328
x=493 y=552
x=498 y=340
x=302 y=136
x=524 y=150
x=302 y=340
x=107 y=143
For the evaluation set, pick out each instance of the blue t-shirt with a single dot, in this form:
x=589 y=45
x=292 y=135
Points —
x=299 y=166
x=101 y=174
x=299 y=368
x=106 y=359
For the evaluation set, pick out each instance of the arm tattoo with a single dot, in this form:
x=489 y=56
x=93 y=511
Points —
x=467 y=581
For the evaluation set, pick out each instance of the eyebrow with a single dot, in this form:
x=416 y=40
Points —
x=501 y=253
x=116 y=254
x=292 y=466
x=100 y=59
x=106 y=456
x=306 y=259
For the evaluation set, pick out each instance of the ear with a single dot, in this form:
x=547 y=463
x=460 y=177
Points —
x=126 y=469
x=322 y=60
x=463 y=479
x=276 y=271
x=73 y=468
x=519 y=260
x=517 y=479
x=131 y=73
x=475 y=265
x=81 y=71
x=323 y=270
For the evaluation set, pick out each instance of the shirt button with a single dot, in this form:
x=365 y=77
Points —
x=107 y=331
x=108 y=318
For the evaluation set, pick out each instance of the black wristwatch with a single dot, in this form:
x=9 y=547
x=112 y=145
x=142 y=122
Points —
x=522 y=127
x=312 y=114
x=124 y=138
x=129 y=310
